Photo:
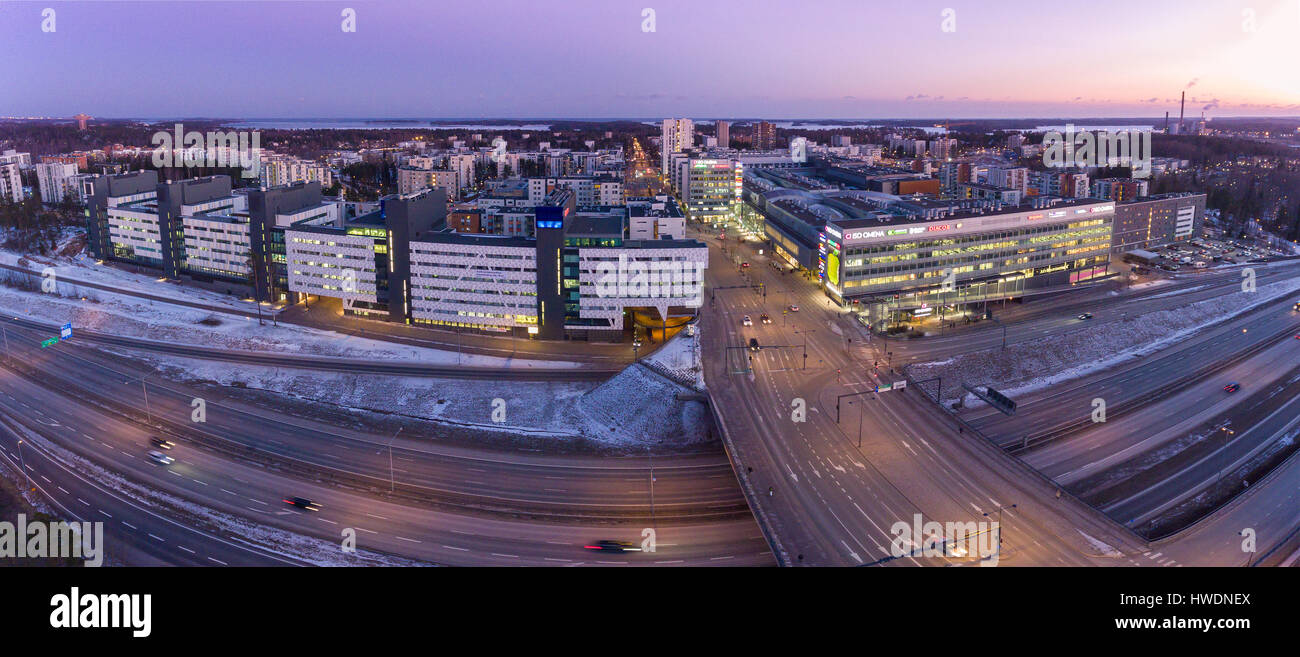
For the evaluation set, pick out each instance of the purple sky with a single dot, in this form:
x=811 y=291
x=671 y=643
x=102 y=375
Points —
x=707 y=58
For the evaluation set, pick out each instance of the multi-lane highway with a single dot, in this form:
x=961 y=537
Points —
x=452 y=504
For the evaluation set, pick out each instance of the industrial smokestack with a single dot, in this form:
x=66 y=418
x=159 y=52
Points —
x=1181 y=104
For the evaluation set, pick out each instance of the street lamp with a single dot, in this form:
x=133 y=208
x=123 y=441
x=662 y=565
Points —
x=23 y=464
x=392 y=480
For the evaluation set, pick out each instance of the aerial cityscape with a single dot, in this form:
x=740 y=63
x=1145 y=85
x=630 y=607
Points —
x=589 y=284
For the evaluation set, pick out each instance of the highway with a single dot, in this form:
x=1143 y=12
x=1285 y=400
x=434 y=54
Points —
x=1191 y=361
x=1045 y=317
x=463 y=507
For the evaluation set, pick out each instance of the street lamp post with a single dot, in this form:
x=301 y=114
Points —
x=999 y=510
x=392 y=480
x=23 y=464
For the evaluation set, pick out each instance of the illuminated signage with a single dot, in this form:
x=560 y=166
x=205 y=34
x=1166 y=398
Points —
x=834 y=233
x=1034 y=217
x=1056 y=213
x=939 y=227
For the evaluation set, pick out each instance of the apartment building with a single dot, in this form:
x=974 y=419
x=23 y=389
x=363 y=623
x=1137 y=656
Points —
x=677 y=135
x=56 y=181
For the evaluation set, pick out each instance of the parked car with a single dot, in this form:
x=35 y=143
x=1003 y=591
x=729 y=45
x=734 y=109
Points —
x=795 y=309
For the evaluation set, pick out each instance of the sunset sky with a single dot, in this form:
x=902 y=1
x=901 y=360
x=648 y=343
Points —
x=706 y=58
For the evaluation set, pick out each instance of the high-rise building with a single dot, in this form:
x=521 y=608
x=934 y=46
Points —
x=724 y=134
x=678 y=135
x=710 y=188
x=55 y=180
x=764 y=137
x=11 y=183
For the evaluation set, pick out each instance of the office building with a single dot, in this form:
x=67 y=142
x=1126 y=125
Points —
x=897 y=269
x=1154 y=221
x=724 y=134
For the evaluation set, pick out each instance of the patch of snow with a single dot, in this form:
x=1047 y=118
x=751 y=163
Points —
x=1105 y=549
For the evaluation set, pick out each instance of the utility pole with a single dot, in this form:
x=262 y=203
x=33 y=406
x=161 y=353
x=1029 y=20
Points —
x=148 y=416
x=392 y=481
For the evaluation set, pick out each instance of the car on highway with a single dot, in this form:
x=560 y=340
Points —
x=746 y=321
x=1232 y=387
x=765 y=318
x=753 y=344
x=612 y=546
x=1296 y=307
x=1085 y=316
x=744 y=265
x=160 y=458
x=161 y=443
x=302 y=503
x=794 y=309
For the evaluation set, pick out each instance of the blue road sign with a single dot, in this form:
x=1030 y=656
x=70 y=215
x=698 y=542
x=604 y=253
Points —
x=66 y=332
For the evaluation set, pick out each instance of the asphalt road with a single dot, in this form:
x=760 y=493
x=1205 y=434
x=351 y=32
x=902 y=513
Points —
x=832 y=501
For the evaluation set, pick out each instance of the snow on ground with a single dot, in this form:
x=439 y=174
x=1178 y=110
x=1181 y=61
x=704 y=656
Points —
x=1020 y=368
x=532 y=407
x=639 y=407
x=1104 y=548
x=296 y=547
x=679 y=360
x=636 y=408
x=81 y=267
x=125 y=315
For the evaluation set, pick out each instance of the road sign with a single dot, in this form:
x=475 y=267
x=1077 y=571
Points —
x=997 y=400
x=66 y=331
x=884 y=388
x=49 y=342
x=899 y=385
